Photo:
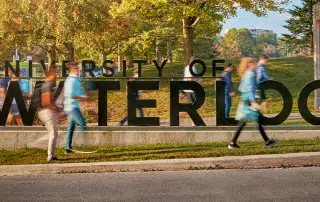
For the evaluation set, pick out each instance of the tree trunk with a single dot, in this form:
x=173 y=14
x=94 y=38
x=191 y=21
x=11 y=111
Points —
x=169 y=50
x=119 y=59
x=104 y=56
x=158 y=54
x=188 y=39
x=70 y=51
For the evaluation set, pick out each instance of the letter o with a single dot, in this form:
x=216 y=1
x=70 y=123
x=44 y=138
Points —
x=287 y=102
x=303 y=102
x=204 y=67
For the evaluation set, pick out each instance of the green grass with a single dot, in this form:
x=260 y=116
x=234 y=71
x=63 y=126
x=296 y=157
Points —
x=148 y=152
x=294 y=73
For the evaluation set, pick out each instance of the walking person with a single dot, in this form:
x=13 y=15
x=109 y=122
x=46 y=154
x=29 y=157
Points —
x=248 y=107
x=228 y=91
x=262 y=75
x=125 y=119
x=189 y=77
x=73 y=91
x=49 y=113
x=14 y=114
x=3 y=88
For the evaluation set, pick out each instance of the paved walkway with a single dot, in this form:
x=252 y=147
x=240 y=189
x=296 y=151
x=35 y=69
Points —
x=296 y=184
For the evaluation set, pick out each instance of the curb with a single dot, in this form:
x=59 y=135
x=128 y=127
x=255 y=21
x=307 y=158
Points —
x=227 y=162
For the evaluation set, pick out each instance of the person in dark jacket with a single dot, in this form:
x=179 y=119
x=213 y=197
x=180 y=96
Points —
x=226 y=76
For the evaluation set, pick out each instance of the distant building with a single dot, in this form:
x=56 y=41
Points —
x=256 y=32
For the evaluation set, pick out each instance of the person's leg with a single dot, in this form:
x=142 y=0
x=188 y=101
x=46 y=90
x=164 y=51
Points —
x=70 y=130
x=9 y=119
x=141 y=112
x=228 y=105
x=123 y=121
x=261 y=129
x=50 y=121
x=79 y=119
x=19 y=120
x=241 y=125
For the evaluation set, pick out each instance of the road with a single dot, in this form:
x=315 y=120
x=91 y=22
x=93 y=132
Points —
x=294 y=184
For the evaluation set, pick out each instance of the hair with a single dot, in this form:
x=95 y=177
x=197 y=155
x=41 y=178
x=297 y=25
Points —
x=191 y=59
x=243 y=66
x=228 y=65
x=263 y=57
x=72 y=64
x=51 y=72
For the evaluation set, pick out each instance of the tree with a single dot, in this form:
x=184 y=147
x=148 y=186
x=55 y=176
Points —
x=191 y=13
x=238 y=42
x=300 y=26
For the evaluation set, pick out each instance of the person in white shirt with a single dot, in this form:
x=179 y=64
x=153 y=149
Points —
x=188 y=77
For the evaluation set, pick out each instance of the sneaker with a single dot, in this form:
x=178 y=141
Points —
x=68 y=151
x=52 y=159
x=233 y=146
x=271 y=143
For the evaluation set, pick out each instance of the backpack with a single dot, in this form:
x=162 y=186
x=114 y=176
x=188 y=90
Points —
x=36 y=101
x=59 y=101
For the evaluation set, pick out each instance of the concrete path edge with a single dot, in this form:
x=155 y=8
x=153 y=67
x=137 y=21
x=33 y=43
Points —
x=227 y=162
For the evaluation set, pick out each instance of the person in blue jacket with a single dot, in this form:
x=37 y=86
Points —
x=262 y=75
x=248 y=85
x=228 y=92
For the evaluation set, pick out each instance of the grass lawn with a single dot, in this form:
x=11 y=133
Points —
x=294 y=73
x=148 y=152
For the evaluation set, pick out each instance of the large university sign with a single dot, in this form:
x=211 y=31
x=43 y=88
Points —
x=103 y=86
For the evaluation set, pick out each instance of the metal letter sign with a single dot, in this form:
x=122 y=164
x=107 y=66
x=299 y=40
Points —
x=134 y=102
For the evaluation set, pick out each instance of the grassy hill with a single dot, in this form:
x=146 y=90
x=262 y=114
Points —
x=294 y=73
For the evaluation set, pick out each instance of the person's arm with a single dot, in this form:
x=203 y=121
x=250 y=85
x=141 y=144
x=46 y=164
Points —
x=228 y=82
x=265 y=74
x=252 y=90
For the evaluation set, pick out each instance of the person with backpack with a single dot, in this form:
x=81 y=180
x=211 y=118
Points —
x=248 y=108
x=48 y=112
x=228 y=92
x=73 y=91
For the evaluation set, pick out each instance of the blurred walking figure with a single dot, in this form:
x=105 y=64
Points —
x=49 y=112
x=248 y=107
x=125 y=119
x=189 y=77
x=228 y=92
x=3 y=87
x=73 y=91
x=14 y=113
x=262 y=75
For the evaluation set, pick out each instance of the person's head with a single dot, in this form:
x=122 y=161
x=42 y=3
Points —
x=245 y=64
x=263 y=59
x=228 y=67
x=73 y=68
x=135 y=73
x=192 y=58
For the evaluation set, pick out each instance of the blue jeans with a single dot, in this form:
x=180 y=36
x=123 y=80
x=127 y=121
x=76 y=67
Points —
x=125 y=119
x=74 y=118
x=228 y=104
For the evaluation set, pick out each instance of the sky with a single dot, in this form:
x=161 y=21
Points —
x=273 y=21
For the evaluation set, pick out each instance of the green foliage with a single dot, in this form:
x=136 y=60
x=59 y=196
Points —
x=300 y=27
x=238 y=42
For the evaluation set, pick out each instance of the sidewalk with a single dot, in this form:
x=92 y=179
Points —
x=228 y=162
